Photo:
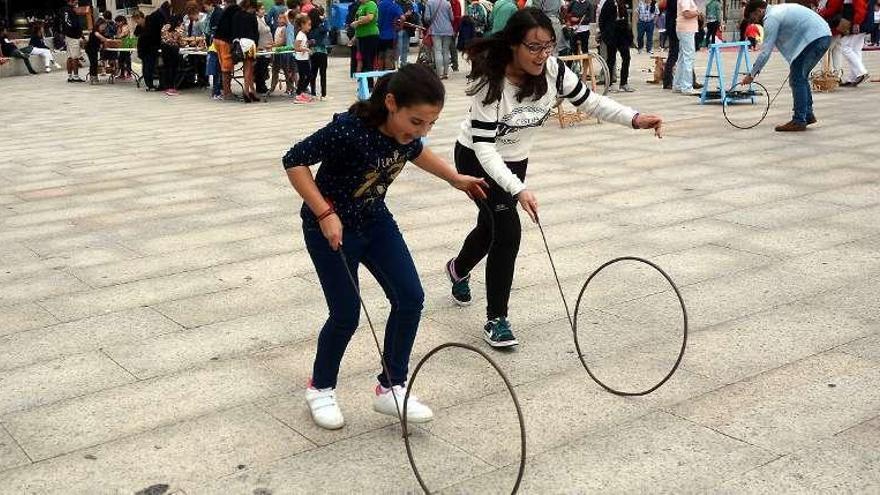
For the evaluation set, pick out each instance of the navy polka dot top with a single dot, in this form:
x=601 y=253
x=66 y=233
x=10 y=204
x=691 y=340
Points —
x=358 y=163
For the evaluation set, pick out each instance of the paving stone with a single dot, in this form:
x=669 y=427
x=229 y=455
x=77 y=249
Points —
x=180 y=261
x=479 y=426
x=11 y=454
x=767 y=340
x=39 y=286
x=187 y=454
x=97 y=418
x=782 y=213
x=689 y=234
x=829 y=466
x=654 y=453
x=229 y=304
x=42 y=383
x=204 y=237
x=718 y=300
x=135 y=294
x=375 y=462
x=863 y=194
x=867 y=348
x=786 y=409
x=89 y=334
x=24 y=317
x=170 y=352
x=795 y=240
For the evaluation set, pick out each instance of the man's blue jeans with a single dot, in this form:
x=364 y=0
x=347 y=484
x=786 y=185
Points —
x=799 y=78
x=646 y=29
x=381 y=249
x=403 y=47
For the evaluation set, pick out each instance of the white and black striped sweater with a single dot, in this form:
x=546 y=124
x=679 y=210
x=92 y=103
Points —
x=503 y=130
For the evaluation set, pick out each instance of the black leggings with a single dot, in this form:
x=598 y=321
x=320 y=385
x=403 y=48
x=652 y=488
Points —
x=93 y=63
x=497 y=234
x=319 y=65
x=305 y=74
x=168 y=78
x=124 y=64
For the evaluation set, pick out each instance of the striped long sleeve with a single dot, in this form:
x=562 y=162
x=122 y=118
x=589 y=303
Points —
x=484 y=129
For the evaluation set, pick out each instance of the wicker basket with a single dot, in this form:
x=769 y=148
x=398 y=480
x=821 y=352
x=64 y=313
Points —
x=824 y=81
x=113 y=44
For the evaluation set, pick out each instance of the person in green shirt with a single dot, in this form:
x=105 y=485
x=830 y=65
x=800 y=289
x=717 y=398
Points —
x=366 y=30
x=713 y=19
x=501 y=13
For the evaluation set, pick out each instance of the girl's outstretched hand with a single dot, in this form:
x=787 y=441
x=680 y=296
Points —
x=475 y=187
x=650 y=122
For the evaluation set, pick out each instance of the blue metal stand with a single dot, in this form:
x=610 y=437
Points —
x=742 y=58
x=363 y=91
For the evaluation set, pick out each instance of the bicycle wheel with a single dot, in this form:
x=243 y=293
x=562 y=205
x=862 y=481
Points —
x=603 y=76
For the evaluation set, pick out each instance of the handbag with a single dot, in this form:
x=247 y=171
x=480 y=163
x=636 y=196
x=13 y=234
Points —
x=237 y=52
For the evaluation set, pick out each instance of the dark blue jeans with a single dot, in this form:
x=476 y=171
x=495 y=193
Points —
x=646 y=29
x=381 y=249
x=799 y=78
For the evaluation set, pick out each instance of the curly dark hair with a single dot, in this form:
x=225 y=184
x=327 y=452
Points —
x=490 y=57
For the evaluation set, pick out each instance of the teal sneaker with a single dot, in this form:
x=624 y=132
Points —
x=461 y=288
x=497 y=333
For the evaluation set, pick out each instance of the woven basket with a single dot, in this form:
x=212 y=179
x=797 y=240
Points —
x=825 y=81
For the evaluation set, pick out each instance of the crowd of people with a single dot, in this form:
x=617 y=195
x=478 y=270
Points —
x=202 y=45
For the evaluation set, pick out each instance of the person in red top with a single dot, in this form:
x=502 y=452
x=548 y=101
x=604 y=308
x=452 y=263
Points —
x=752 y=34
x=845 y=18
x=456 y=24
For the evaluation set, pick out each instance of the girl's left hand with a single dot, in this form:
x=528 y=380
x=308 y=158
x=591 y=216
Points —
x=475 y=187
x=650 y=122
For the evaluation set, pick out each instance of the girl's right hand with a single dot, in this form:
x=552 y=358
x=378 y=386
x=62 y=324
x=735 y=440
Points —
x=529 y=203
x=331 y=227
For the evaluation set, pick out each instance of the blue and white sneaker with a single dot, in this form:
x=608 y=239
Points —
x=497 y=333
x=461 y=288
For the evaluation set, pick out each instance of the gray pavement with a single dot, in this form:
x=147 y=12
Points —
x=158 y=312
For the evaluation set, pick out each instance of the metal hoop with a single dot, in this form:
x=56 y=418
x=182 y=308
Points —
x=522 y=425
x=684 y=334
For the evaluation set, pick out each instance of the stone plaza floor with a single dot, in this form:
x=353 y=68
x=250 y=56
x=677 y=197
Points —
x=158 y=311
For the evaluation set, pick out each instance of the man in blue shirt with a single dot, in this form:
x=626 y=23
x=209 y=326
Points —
x=803 y=37
x=389 y=15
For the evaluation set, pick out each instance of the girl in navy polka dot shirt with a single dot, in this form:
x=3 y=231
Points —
x=361 y=152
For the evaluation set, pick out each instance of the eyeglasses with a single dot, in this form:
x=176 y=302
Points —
x=536 y=48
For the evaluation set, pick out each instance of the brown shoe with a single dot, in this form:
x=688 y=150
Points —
x=791 y=126
x=812 y=120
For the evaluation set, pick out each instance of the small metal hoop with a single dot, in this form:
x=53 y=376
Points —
x=684 y=334
x=522 y=425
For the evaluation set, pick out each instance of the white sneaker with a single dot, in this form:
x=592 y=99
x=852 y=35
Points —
x=48 y=69
x=324 y=408
x=690 y=92
x=384 y=403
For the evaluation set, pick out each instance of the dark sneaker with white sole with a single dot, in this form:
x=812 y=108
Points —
x=497 y=333
x=461 y=288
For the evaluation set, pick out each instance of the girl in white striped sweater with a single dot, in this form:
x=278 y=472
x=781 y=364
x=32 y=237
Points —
x=515 y=83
